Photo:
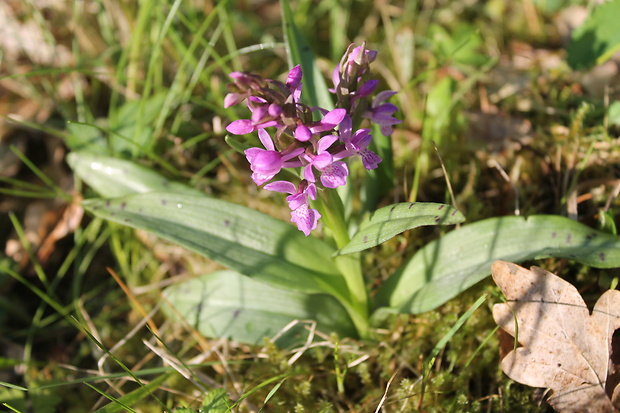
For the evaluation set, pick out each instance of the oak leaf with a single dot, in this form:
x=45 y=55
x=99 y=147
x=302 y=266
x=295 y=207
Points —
x=562 y=346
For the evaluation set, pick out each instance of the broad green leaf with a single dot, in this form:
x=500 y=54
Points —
x=391 y=220
x=239 y=238
x=112 y=177
x=448 y=266
x=597 y=39
x=231 y=305
x=299 y=52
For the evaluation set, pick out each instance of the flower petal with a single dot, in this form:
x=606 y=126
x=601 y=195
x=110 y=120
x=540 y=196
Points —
x=333 y=118
x=335 y=175
x=382 y=96
x=294 y=77
x=240 y=127
x=281 y=186
x=325 y=142
x=265 y=139
x=260 y=178
x=370 y=159
x=232 y=99
x=306 y=218
x=302 y=133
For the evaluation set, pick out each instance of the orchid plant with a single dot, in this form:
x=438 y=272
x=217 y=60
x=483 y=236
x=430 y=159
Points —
x=280 y=276
x=316 y=146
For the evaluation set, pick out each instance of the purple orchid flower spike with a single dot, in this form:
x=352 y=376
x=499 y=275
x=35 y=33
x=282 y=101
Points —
x=317 y=146
x=305 y=217
x=381 y=113
x=266 y=163
x=334 y=172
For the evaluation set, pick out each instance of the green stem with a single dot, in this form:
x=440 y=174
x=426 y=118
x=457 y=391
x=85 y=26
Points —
x=330 y=206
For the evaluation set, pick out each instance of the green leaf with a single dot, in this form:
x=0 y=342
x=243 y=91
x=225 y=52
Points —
x=613 y=113
x=597 y=39
x=133 y=135
x=238 y=143
x=231 y=305
x=239 y=238
x=32 y=401
x=448 y=266
x=113 y=177
x=299 y=52
x=391 y=220
x=86 y=137
x=216 y=401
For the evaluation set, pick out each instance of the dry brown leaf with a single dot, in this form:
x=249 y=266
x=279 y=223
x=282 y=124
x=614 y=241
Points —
x=563 y=347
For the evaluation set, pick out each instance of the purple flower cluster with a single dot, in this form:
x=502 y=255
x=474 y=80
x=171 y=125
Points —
x=299 y=141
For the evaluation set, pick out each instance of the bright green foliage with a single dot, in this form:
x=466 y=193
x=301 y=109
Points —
x=597 y=39
x=229 y=304
x=129 y=133
x=240 y=238
x=216 y=401
x=19 y=401
x=113 y=177
x=391 y=220
x=146 y=81
x=448 y=266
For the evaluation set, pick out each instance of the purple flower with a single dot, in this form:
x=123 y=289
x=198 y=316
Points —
x=302 y=133
x=381 y=113
x=305 y=217
x=330 y=120
x=300 y=141
x=352 y=66
x=265 y=164
x=357 y=144
x=242 y=88
x=293 y=82
x=333 y=171
x=366 y=89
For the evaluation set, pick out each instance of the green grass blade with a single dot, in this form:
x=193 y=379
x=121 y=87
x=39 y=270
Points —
x=391 y=220
x=116 y=404
x=430 y=360
x=240 y=238
x=272 y=392
x=123 y=403
x=12 y=386
x=448 y=266
x=258 y=387
x=299 y=52
x=133 y=375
